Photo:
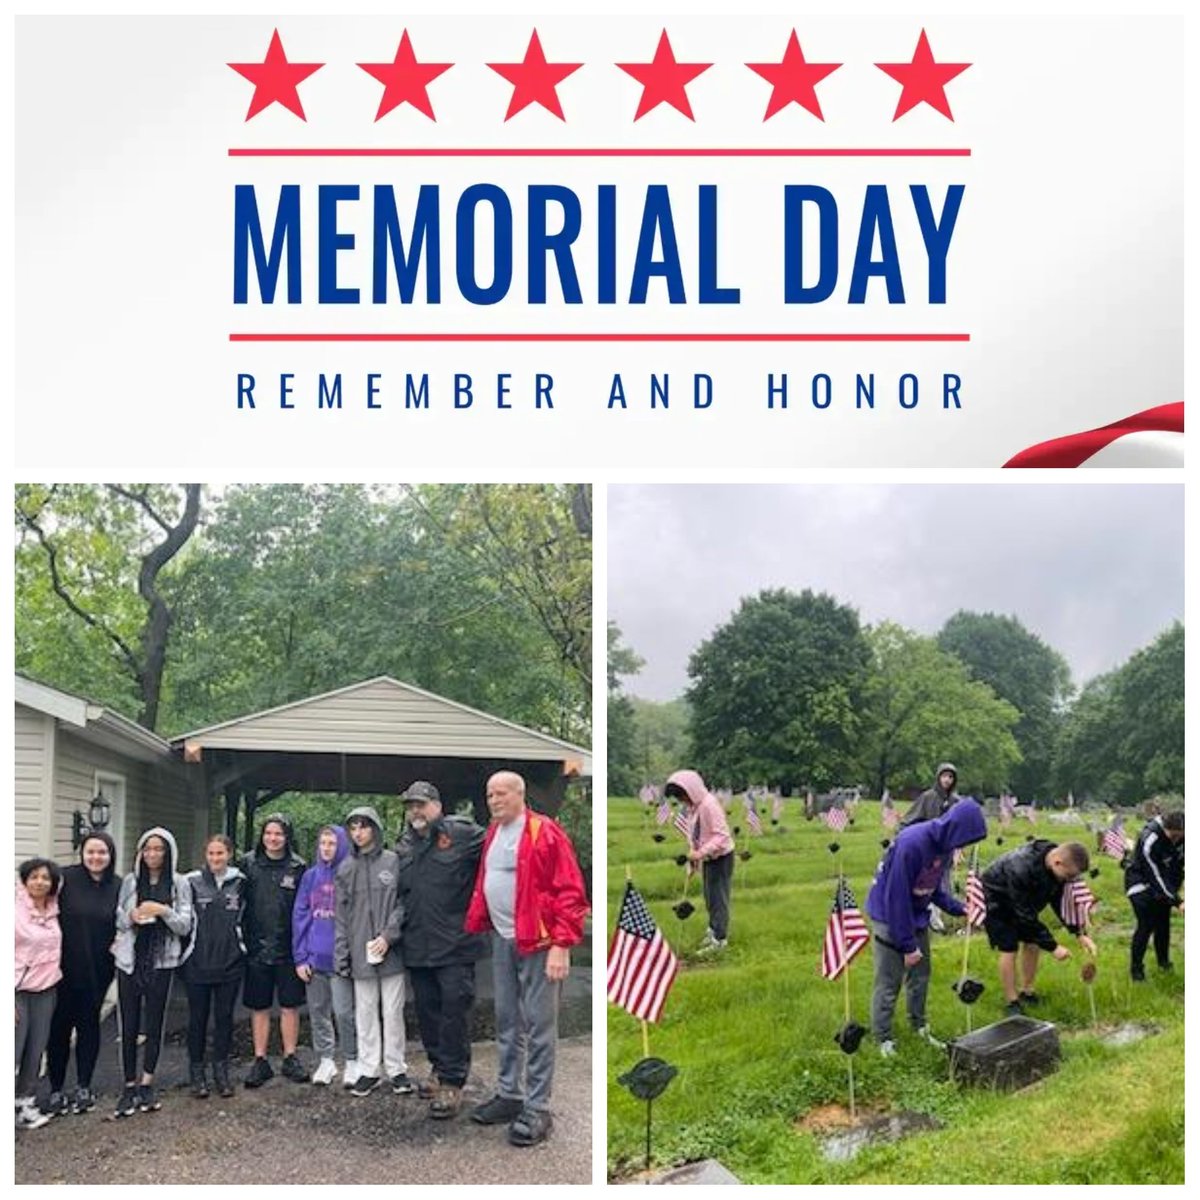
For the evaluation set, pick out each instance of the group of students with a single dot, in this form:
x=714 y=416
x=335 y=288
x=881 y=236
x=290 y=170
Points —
x=338 y=936
x=913 y=881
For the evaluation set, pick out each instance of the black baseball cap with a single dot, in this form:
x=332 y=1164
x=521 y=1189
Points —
x=420 y=792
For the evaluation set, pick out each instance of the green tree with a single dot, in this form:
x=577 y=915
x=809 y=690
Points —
x=660 y=737
x=1019 y=667
x=93 y=560
x=1123 y=740
x=776 y=692
x=921 y=707
x=623 y=770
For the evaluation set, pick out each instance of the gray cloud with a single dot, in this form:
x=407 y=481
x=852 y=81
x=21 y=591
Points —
x=1095 y=570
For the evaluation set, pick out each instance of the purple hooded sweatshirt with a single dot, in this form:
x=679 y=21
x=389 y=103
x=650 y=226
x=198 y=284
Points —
x=313 y=915
x=913 y=873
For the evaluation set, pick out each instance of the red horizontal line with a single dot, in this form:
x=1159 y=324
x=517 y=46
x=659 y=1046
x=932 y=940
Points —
x=599 y=337
x=596 y=152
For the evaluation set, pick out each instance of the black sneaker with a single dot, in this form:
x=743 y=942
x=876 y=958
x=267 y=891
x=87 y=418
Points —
x=1029 y=999
x=57 y=1106
x=84 y=1102
x=221 y=1079
x=1137 y=974
x=292 y=1068
x=1166 y=968
x=499 y=1110
x=530 y=1128
x=364 y=1085
x=402 y=1085
x=147 y=1098
x=259 y=1074
x=127 y=1105
x=1013 y=1009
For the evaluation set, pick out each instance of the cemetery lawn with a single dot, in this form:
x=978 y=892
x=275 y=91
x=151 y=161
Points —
x=752 y=1034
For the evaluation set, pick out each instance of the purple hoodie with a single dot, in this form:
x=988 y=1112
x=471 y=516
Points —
x=313 y=915
x=913 y=873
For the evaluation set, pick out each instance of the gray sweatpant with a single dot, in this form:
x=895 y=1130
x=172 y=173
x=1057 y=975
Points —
x=890 y=973
x=526 y=1023
x=34 y=1010
x=331 y=996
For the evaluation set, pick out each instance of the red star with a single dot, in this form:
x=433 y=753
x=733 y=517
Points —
x=275 y=79
x=664 y=80
x=793 y=81
x=923 y=79
x=405 y=81
x=534 y=80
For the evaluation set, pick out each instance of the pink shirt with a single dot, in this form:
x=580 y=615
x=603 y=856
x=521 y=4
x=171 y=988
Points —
x=39 y=943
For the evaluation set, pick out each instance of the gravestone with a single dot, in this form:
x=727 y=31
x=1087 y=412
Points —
x=708 y=1170
x=1007 y=1055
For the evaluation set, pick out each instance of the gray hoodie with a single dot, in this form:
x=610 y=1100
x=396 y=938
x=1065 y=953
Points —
x=368 y=905
x=174 y=949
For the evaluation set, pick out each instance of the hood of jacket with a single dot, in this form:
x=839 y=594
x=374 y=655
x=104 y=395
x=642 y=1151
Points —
x=289 y=845
x=366 y=813
x=692 y=785
x=26 y=905
x=323 y=872
x=959 y=826
x=171 y=866
x=937 y=777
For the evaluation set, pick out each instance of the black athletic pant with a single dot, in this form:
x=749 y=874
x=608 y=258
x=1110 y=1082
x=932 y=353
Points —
x=444 y=996
x=1153 y=921
x=718 y=883
x=141 y=1008
x=78 y=1009
x=220 y=999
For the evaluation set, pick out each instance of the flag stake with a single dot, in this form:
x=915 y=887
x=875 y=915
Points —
x=645 y=1039
x=846 y=996
x=967 y=940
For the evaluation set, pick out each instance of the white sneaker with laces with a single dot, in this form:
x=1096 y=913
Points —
x=350 y=1074
x=325 y=1072
x=713 y=947
x=887 y=1049
x=29 y=1116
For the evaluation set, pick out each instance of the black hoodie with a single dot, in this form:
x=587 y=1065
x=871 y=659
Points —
x=87 y=913
x=1019 y=885
x=271 y=887
x=934 y=802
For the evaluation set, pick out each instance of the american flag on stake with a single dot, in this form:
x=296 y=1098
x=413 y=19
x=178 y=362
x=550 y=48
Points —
x=1077 y=904
x=648 y=794
x=976 y=904
x=1007 y=805
x=683 y=823
x=835 y=818
x=888 y=811
x=641 y=966
x=753 y=819
x=845 y=934
x=1113 y=841
x=663 y=813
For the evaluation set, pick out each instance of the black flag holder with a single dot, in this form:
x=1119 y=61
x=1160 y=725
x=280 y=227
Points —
x=646 y=1081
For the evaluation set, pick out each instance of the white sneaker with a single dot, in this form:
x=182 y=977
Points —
x=713 y=947
x=350 y=1074
x=887 y=1049
x=325 y=1072
x=29 y=1116
x=926 y=1034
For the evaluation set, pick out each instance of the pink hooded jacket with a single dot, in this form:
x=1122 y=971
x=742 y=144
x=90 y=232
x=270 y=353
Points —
x=39 y=943
x=714 y=840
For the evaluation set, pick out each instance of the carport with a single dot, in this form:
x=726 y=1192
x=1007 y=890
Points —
x=374 y=738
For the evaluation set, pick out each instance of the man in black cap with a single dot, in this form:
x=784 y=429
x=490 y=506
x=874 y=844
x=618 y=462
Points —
x=439 y=858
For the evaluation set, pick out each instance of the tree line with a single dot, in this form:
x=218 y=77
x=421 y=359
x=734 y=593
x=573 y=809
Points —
x=795 y=692
x=182 y=606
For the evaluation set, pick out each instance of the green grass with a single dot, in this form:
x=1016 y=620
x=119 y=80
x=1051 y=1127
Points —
x=752 y=1034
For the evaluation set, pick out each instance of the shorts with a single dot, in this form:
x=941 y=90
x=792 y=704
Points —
x=1002 y=930
x=264 y=981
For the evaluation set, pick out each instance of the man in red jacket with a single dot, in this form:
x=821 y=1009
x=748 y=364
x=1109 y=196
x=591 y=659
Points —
x=529 y=893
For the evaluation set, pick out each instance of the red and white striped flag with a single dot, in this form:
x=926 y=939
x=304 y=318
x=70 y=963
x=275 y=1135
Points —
x=1113 y=841
x=753 y=819
x=641 y=965
x=888 y=812
x=683 y=823
x=1077 y=904
x=835 y=818
x=976 y=904
x=845 y=933
x=1150 y=438
x=663 y=813
x=648 y=794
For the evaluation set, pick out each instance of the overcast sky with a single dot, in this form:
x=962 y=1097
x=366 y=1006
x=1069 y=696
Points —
x=1094 y=570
